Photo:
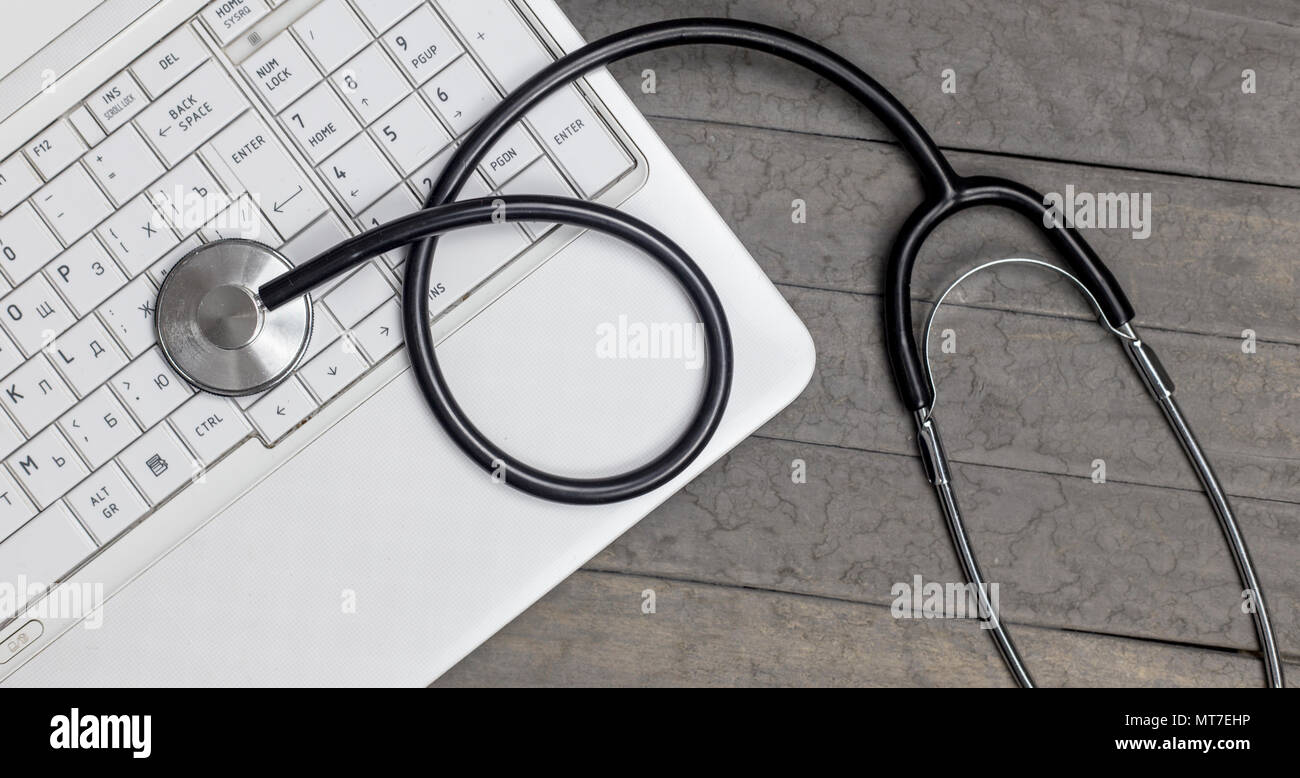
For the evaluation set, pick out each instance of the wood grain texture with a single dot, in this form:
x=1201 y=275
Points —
x=1229 y=247
x=591 y=631
x=1053 y=395
x=1066 y=552
x=1141 y=84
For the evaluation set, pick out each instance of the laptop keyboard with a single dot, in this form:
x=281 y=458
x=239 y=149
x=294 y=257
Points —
x=96 y=429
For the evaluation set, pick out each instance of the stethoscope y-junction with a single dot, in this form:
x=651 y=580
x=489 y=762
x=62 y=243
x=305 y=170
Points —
x=233 y=318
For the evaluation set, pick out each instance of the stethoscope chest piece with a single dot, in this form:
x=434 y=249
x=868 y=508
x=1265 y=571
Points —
x=213 y=328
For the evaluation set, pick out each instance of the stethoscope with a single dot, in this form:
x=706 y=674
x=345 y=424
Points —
x=234 y=317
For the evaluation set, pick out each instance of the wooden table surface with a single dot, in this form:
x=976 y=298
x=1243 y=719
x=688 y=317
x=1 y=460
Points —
x=758 y=580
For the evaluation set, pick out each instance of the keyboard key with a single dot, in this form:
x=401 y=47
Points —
x=170 y=61
x=579 y=140
x=540 y=178
x=86 y=355
x=117 y=101
x=34 y=314
x=211 y=425
x=262 y=166
x=280 y=71
x=15 y=508
x=158 y=464
x=47 y=466
x=137 y=235
x=99 y=427
x=371 y=84
x=320 y=236
x=128 y=316
x=500 y=37
x=410 y=134
x=17 y=181
x=124 y=165
x=72 y=204
x=281 y=409
x=86 y=126
x=361 y=293
x=41 y=552
x=228 y=19
x=320 y=123
x=359 y=174
x=189 y=196
x=422 y=43
x=337 y=366
x=150 y=389
x=191 y=113
x=323 y=333
x=380 y=333
x=35 y=395
x=107 y=503
x=430 y=172
x=467 y=257
x=244 y=220
x=26 y=244
x=85 y=275
x=10 y=358
x=461 y=95
x=163 y=266
x=397 y=203
x=55 y=149
x=382 y=13
x=508 y=156
x=10 y=436
x=332 y=33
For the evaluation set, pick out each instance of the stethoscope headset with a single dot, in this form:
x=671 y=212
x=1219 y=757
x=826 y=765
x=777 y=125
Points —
x=234 y=350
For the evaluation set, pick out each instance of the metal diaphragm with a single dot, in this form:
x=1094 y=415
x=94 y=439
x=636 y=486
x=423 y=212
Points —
x=213 y=328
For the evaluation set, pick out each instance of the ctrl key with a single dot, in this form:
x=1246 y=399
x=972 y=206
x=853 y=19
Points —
x=107 y=503
x=211 y=425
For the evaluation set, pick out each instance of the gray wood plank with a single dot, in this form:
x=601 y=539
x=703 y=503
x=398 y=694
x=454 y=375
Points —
x=1066 y=552
x=1053 y=395
x=1145 y=84
x=1220 y=257
x=591 y=631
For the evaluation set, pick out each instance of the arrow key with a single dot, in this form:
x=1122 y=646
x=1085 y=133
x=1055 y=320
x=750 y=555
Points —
x=280 y=410
x=381 y=332
x=334 y=368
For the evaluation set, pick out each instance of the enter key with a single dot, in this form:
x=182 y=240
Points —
x=253 y=155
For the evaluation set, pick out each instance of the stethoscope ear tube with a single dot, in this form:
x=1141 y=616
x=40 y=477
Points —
x=900 y=340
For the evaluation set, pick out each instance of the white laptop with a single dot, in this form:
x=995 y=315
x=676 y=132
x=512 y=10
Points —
x=326 y=532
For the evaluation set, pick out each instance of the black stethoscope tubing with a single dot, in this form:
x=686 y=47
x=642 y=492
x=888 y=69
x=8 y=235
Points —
x=437 y=219
x=945 y=193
